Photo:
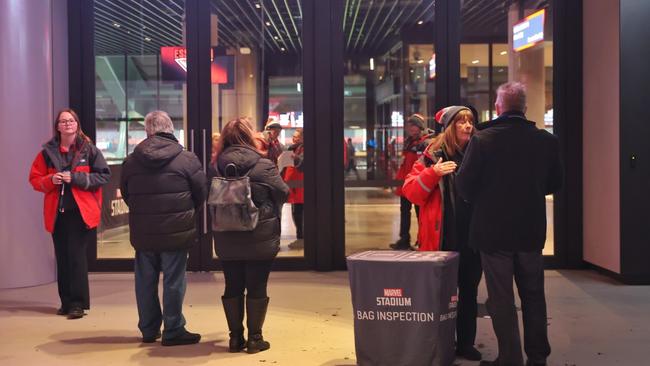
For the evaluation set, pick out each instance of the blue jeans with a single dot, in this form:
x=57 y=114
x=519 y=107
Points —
x=147 y=270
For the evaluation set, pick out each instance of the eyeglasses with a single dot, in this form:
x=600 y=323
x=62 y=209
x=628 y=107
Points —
x=67 y=121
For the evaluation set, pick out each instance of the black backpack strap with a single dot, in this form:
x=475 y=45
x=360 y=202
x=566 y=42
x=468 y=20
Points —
x=234 y=166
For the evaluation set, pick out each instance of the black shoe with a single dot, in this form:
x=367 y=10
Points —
x=489 y=363
x=469 y=353
x=76 y=313
x=401 y=245
x=532 y=363
x=151 y=339
x=62 y=311
x=297 y=244
x=184 y=338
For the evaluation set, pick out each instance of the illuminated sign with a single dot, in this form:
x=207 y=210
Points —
x=529 y=31
x=432 y=67
x=173 y=62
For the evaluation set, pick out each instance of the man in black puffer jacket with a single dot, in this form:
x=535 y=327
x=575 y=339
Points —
x=164 y=186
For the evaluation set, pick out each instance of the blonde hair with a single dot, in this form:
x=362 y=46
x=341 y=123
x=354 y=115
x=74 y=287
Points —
x=447 y=139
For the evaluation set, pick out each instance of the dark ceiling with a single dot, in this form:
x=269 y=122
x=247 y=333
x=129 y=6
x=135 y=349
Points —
x=369 y=26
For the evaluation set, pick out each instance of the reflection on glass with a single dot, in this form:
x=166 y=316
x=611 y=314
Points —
x=261 y=45
x=390 y=73
x=132 y=78
x=496 y=59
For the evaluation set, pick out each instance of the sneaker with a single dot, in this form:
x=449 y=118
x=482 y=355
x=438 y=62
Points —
x=62 y=311
x=76 y=313
x=184 y=338
x=151 y=339
x=469 y=353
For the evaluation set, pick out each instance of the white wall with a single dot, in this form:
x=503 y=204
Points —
x=33 y=78
x=601 y=163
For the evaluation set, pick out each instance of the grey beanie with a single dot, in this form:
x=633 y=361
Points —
x=418 y=120
x=450 y=113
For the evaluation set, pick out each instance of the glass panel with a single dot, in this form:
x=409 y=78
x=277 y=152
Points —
x=475 y=78
x=526 y=57
x=257 y=46
x=131 y=80
x=389 y=75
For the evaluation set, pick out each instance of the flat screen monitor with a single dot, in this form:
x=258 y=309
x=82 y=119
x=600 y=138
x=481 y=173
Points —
x=529 y=31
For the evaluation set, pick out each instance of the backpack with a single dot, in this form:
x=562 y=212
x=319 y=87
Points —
x=231 y=203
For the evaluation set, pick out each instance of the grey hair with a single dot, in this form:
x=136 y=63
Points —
x=158 y=121
x=512 y=96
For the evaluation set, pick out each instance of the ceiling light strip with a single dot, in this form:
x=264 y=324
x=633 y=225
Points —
x=382 y=24
x=354 y=21
x=174 y=33
x=257 y=26
x=365 y=39
x=363 y=24
x=286 y=4
x=284 y=26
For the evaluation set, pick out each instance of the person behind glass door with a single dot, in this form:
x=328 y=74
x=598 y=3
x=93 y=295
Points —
x=164 y=187
x=294 y=177
x=213 y=151
x=350 y=153
x=509 y=168
x=419 y=137
x=246 y=256
x=444 y=216
x=268 y=141
x=70 y=170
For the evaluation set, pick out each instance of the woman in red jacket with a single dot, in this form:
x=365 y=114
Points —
x=419 y=137
x=70 y=171
x=295 y=177
x=444 y=216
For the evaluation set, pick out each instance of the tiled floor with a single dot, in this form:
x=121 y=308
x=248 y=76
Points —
x=593 y=321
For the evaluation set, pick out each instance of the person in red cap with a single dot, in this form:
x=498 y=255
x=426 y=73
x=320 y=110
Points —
x=419 y=136
x=445 y=217
x=268 y=140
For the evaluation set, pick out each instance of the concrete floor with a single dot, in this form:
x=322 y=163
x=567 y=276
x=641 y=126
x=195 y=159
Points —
x=593 y=321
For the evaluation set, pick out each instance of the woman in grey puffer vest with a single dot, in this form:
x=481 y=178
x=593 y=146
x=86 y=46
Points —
x=247 y=256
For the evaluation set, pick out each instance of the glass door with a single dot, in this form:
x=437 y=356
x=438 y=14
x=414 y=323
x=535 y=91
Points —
x=255 y=52
x=389 y=74
x=140 y=66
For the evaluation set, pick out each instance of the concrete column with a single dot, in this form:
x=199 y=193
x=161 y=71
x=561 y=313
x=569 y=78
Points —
x=30 y=67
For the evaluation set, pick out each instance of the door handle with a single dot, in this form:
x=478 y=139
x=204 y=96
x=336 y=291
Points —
x=192 y=140
x=205 y=164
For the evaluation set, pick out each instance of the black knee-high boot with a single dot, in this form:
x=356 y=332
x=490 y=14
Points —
x=255 y=314
x=296 y=214
x=234 y=309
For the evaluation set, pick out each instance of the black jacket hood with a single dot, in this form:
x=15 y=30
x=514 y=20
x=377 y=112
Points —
x=243 y=157
x=157 y=151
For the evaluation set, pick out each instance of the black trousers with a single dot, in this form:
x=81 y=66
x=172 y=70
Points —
x=527 y=268
x=469 y=277
x=249 y=276
x=296 y=214
x=405 y=219
x=71 y=238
